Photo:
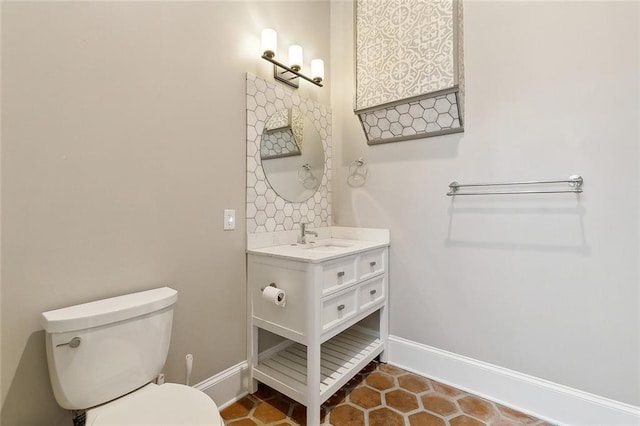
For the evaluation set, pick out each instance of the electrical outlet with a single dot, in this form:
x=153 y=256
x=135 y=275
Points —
x=229 y=219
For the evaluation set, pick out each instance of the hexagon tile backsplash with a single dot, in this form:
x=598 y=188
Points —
x=266 y=210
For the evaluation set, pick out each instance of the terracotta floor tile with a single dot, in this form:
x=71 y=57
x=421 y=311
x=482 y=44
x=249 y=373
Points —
x=265 y=392
x=243 y=422
x=401 y=400
x=365 y=397
x=466 y=421
x=380 y=381
x=425 y=419
x=299 y=414
x=414 y=383
x=346 y=415
x=267 y=413
x=237 y=409
x=390 y=369
x=447 y=390
x=478 y=408
x=438 y=404
x=385 y=417
x=515 y=415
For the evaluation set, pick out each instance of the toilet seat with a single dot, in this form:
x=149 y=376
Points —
x=167 y=404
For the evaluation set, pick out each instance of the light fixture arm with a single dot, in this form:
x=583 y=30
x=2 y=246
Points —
x=279 y=74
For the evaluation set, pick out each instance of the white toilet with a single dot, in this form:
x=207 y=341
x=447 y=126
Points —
x=104 y=357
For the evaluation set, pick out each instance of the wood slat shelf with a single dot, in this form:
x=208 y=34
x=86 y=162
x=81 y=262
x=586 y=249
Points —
x=342 y=357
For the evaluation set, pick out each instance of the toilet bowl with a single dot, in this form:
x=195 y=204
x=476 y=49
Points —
x=104 y=357
x=167 y=404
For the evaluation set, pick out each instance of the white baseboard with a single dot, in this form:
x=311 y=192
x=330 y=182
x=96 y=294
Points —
x=546 y=400
x=228 y=386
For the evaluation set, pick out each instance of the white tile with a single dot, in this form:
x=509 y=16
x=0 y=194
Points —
x=416 y=111
x=428 y=103
x=406 y=120
x=431 y=115
x=419 y=124
x=442 y=105
x=261 y=218
x=261 y=202
x=445 y=120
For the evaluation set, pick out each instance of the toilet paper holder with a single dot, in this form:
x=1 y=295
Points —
x=270 y=285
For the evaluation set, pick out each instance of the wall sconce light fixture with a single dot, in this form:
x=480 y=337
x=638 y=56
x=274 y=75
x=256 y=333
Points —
x=289 y=74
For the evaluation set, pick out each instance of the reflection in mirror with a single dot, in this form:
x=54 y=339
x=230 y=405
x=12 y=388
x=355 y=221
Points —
x=292 y=155
x=282 y=135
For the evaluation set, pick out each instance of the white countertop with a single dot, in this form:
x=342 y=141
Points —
x=332 y=243
x=319 y=250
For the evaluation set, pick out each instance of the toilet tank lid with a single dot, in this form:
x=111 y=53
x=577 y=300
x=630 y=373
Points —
x=107 y=311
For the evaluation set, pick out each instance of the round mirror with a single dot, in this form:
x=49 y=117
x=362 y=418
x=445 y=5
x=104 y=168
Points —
x=292 y=155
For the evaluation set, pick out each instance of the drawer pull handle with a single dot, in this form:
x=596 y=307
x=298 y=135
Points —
x=373 y=292
x=372 y=264
x=340 y=274
x=340 y=307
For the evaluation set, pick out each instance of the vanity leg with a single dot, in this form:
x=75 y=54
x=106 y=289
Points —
x=313 y=384
x=384 y=333
x=253 y=357
x=384 y=316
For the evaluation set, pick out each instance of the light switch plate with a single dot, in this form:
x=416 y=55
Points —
x=229 y=219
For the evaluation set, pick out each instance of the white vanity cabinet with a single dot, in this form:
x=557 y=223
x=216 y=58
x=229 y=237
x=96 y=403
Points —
x=325 y=297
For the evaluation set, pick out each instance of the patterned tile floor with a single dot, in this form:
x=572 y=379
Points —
x=380 y=395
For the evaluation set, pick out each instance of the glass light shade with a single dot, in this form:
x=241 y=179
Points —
x=269 y=42
x=295 y=57
x=317 y=70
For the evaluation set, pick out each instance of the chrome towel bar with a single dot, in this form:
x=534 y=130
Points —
x=575 y=183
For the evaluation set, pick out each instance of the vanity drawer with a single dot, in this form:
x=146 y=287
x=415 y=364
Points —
x=335 y=309
x=370 y=292
x=371 y=264
x=337 y=274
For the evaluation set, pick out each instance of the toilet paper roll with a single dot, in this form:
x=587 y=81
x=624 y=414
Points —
x=275 y=295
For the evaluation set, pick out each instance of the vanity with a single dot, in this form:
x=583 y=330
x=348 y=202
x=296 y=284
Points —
x=331 y=285
x=317 y=307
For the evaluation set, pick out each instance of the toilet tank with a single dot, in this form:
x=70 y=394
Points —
x=101 y=350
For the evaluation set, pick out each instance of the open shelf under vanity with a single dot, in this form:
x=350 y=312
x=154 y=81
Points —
x=340 y=356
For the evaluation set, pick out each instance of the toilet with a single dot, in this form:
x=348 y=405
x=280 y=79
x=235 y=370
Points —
x=105 y=356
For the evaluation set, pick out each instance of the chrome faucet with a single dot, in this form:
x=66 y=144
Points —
x=302 y=238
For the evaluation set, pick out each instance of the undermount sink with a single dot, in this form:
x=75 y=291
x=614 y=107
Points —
x=326 y=247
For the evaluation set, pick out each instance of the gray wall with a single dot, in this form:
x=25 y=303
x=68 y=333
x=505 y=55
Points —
x=123 y=140
x=544 y=285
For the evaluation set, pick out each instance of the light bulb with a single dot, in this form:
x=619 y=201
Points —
x=269 y=42
x=317 y=70
x=295 y=57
